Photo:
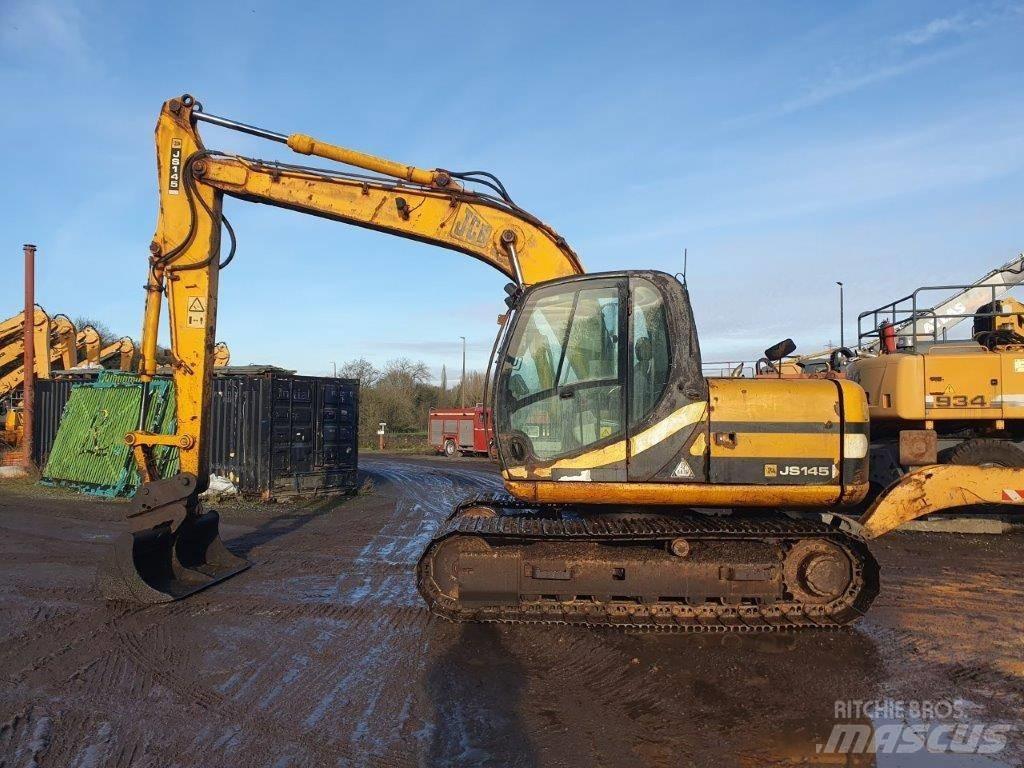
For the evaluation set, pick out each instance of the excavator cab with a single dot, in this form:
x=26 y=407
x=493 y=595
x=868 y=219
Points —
x=589 y=364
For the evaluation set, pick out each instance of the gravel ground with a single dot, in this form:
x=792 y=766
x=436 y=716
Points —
x=322 y=653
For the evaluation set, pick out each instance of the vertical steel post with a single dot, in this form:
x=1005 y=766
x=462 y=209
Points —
x=28 y=400
x=842 y=337
x=462 y=383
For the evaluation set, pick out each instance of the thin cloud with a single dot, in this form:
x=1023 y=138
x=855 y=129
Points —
x=53 y=29
x=839 y=176
x=937 y=28
x=842 y=83
x=957 y=24
x=849 y=79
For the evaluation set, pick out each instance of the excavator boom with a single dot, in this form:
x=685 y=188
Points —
x=434 y=207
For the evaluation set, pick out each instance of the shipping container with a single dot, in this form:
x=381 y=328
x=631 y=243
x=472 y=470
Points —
x=455 y=430
x=277 y=434
x=271 y=432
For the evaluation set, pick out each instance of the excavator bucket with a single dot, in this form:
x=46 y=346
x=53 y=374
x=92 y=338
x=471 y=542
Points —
x=172 y=549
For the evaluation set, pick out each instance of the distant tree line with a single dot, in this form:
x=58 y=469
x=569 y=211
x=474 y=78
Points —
x=401 y=393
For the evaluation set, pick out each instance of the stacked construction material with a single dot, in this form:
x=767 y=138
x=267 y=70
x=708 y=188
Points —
x=89 y=452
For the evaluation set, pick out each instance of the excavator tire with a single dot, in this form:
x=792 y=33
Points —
x=987 y=451
x=676 y=570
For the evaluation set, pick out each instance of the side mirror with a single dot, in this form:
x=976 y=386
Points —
x=780 y=350
x=514 y=294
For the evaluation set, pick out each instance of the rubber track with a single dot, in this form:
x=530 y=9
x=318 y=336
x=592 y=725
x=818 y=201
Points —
x=520 y=523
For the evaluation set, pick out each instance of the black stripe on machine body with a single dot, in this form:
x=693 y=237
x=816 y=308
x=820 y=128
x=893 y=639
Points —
x=659 y=461
x=789 y=427
x=698 y=466
x=773 y=471
x=855 y=471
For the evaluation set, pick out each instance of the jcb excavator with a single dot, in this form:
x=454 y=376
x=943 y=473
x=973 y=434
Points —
x=608 y=435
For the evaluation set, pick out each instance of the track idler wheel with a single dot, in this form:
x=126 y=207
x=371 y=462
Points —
x=172 y=550
x=817 y=571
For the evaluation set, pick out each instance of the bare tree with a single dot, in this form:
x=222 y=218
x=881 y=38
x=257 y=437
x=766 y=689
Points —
x=361 y=369
x=401 y=393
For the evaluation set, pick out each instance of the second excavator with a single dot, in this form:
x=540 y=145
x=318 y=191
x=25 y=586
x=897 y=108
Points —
x=609 y=437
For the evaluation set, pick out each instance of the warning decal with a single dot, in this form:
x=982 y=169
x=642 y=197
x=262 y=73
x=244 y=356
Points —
x=196 y=312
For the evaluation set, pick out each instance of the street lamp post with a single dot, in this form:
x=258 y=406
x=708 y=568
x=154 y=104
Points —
x=842 y=338
x=462 y=382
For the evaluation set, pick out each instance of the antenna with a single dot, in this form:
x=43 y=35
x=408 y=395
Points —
x=683 y=273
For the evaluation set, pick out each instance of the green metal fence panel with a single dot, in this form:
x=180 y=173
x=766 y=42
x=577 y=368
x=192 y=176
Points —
x=89 y=452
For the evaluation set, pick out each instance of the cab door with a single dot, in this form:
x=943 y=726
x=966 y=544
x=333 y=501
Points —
x=666 y=392
x=562 y=400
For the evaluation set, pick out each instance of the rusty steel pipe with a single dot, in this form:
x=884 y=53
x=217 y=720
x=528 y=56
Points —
x=28 y=400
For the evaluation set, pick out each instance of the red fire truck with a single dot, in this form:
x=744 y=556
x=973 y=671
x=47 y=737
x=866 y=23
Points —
x=454 y=430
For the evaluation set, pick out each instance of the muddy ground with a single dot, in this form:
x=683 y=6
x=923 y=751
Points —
x=322 y=653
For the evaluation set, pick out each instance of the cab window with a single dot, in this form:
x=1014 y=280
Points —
x=561 y=378
x=649 y=350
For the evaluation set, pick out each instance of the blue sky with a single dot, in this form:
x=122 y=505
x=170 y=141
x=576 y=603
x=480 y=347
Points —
x=786 y=145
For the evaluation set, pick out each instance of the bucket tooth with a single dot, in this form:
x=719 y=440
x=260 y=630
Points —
x=172 y=550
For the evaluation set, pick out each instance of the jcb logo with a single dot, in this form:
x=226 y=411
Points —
x=771 y=470
x=471 y=228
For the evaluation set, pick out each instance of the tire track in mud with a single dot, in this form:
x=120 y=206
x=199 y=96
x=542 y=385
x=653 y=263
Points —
x=385 y=565
x=587 y=656
x=426 y=497
x=234 y=721
x=923 y=638
x=323 y=653
x=214 y=725
x=342 y=680
x=568 y=657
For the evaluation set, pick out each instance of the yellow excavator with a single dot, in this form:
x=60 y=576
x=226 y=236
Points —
x=92 y=350
x=12 y=369
x=608 y=436
x=221 y=355
x=935 y=399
